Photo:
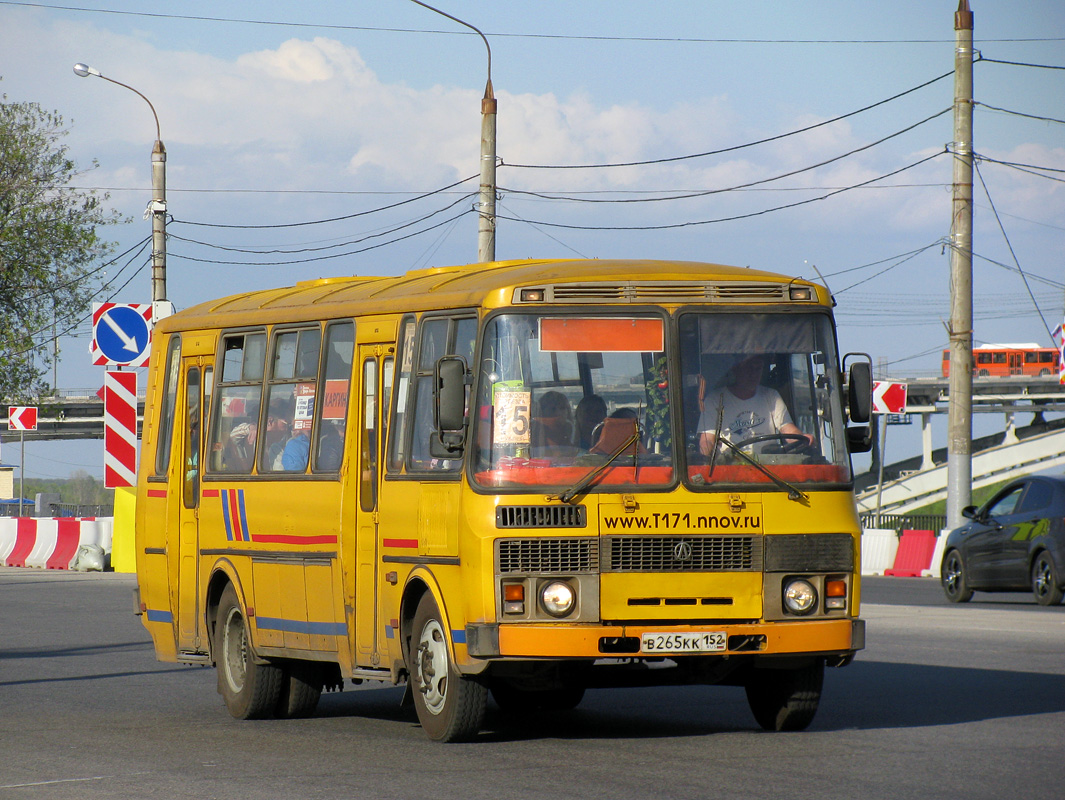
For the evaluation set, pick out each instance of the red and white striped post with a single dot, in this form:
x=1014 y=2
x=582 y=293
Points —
x=120 y=429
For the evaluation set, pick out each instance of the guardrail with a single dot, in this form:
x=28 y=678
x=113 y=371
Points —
x=902 y=522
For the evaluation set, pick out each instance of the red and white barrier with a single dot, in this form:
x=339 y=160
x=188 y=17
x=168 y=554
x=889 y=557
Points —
x=50 y=542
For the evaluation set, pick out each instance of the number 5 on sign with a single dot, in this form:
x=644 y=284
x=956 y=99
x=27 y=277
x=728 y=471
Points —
x=512 y=418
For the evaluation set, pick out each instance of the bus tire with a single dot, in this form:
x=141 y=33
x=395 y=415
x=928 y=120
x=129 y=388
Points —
x=301 y=688
x=1045 y=581
x=250 y=690
x=450 y=706
x=785 y=699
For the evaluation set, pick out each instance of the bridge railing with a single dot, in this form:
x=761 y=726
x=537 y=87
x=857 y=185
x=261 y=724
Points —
x=903 y=522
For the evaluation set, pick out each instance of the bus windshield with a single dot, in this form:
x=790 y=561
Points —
x=760 y=396
x=562 y=395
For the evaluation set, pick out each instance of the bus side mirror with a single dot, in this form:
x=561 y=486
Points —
x=449 y=407
x=860 y=391
x=859 y=438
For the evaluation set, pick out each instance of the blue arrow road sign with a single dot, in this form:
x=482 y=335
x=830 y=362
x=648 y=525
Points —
x=122 y=334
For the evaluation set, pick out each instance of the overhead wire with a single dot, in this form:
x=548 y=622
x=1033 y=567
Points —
x=1013 y=253
x=692 y=223
x=733 y=148
x=740 y=186
x=342 y=218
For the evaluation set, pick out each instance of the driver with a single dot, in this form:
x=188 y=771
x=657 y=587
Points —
x=747 y=409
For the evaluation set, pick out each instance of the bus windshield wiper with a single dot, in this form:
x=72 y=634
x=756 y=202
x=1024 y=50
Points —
x=577 y=488
x=794 y=493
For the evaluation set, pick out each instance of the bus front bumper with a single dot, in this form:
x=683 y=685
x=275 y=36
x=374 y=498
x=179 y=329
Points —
x=807 y=637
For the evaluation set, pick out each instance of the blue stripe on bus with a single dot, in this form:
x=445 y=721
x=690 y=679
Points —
x=159 y=616
x=243 y=515
x=301 y=626
x=224 y=494
x=459 y=637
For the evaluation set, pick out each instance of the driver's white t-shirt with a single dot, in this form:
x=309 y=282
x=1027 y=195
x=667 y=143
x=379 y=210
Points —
x=763 y=413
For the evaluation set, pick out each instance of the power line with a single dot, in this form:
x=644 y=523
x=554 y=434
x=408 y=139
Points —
x=1009 y=244
x=1019 y=63
x=332 y=219
x=346 y=243
x=752 y=184
x=734 y=147
x=1018 y=113
x=324 y=258
x=724 y=219
x=505 y=34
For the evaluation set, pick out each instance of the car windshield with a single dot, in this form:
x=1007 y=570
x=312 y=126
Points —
x=560 y=395
x=760 y=395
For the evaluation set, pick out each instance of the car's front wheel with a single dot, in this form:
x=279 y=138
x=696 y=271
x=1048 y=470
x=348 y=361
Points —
x=955 y=585
x=1045 y=584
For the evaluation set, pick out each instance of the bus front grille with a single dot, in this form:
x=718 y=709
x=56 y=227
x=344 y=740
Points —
x=547 y=555
x=809 y=552
x=683 y=554
x=540 y=517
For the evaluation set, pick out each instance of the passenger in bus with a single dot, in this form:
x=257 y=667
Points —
x=331 y=446
x=745 y=407
x=278 y=424
x=297 y=451
x=551 y=427
x=591 y=410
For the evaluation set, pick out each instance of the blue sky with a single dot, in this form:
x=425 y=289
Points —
x=274 y=114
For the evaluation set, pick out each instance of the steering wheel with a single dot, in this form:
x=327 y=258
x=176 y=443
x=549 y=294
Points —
x=790 y=443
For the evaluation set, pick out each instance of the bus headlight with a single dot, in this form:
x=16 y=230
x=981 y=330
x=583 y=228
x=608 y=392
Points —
x=800 y=597
x=558 y=598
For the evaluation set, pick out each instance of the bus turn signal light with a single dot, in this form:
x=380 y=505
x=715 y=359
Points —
x=514 y=598
x=835 y=594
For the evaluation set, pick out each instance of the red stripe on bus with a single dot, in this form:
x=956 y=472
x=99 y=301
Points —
x=411 y=543
x=234 y=517
x=157 y=492
x=210 y=493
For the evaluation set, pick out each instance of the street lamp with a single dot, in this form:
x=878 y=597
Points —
x=158 y=204
x=486 y=227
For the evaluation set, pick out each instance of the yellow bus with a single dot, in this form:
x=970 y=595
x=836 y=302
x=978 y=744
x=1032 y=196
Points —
x=515 y=480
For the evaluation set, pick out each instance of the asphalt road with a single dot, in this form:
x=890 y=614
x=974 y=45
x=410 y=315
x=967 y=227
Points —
x=946 y=701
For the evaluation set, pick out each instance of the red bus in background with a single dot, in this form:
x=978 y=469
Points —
x=1010 y=359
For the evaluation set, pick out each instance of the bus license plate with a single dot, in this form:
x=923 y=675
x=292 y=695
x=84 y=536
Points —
x=702 y=642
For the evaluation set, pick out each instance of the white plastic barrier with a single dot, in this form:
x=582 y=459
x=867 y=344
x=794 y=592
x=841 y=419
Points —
x=879 y=546
x=50 y=542
x=937 y=555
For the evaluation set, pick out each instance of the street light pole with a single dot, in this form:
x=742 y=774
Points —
x=157 y=208
x=486 y=226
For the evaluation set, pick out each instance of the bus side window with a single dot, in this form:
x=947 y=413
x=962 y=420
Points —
x=333 y=409
x=439 y=336
x=235 y=417
x=292 y=388
x=166 y=415
x=398 y=451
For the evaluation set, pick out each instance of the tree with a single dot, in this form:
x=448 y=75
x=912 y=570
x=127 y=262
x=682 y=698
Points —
x=49 y=247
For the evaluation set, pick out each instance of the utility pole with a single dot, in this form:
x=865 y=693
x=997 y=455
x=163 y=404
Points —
x=960 y=431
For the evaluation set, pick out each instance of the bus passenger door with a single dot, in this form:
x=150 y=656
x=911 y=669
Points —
x=197 y=382
x=375 y=371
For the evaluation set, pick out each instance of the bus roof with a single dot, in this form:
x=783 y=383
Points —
x=493 y=285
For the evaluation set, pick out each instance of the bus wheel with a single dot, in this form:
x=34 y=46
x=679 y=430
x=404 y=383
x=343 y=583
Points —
x=250 y=690
x=785 y=699
x=301 y=687
x=450 y=706
x=1045 y=581
x=519 y=701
